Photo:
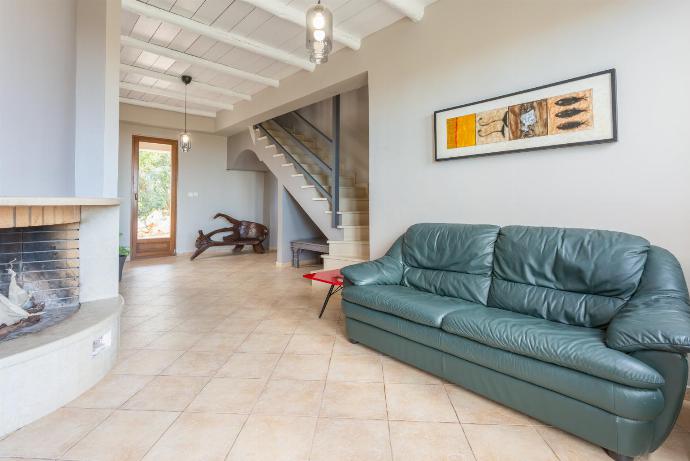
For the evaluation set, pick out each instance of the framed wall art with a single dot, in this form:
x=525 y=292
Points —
x=573 y=112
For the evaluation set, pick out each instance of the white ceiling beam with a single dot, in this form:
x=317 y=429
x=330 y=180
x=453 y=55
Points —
x=231 y=38
x=156 y=105
x=410 y=8
x=192 y=86
x=299 y=17
x=188 y=58
x=174 y=95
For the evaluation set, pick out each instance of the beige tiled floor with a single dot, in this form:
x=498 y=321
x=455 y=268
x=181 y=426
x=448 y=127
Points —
x=224 y=359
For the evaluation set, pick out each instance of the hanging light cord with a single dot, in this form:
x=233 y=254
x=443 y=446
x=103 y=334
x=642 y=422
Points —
x=185 y=107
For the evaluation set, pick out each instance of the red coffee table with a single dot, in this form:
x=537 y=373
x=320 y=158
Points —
x=334 y=278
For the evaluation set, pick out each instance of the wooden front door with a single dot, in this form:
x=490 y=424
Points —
x=154 y=196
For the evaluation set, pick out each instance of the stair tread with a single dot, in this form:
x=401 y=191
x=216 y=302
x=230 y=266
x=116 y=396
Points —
x=349 y=212
x=361 y=242
x=345 y=226
x=343 y=258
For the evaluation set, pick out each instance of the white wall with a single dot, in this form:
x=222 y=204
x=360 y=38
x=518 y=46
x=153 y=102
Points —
x=201 y=170
x=37 y=47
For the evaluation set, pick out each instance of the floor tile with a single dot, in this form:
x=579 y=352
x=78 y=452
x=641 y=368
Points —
x=353 y=400
x=350 y=439
x=158 y=323
x=233 y=325
x=147 y=362
x=412 y=441
x=124 y=436
x=274 y=438
x=290 y=397
x=111 y=392
x=198 y=437
x=138 y=339
x=397 y=372
x=570 y=448
x=507 y=443
x=193 y=363
x=317 y=327
x=52 y=435
x=419 y=402
x=222 y=343
x=249 y=365
x=344 y=347
x=277 y=326
x=198 y=325
x=352 y=368
x=475 y=409
x=175 y=340
x=167 y=393
x=310 y=344
x=228 y=395
x=304 y=367
x=264 y=343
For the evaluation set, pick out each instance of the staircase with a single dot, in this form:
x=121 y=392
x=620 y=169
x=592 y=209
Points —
x=307 y=162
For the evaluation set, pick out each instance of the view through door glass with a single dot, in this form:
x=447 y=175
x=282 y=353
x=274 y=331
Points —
x=154 y=213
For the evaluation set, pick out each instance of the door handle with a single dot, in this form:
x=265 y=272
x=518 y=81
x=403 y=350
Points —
x=136 y=196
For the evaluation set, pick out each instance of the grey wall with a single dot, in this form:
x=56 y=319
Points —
x=464 y=51
x=97 y=93
x=639 y=185
x=201 y=170
x=354 y=126
x=37 y=90
x=241 y=155
x=294 y=225
x=271 y=209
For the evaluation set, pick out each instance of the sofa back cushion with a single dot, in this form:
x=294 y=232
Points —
x=450 y=259
x=574 y=276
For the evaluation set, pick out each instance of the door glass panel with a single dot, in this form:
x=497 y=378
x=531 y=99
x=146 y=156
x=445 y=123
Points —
x=155 y=191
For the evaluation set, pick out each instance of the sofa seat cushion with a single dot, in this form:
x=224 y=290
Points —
x=618 y=399
x=569 y=346
x=407 y=303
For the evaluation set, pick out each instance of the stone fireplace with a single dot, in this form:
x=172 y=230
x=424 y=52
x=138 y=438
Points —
x=64 y=253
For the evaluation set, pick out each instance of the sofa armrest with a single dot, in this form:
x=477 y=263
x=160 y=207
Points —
x=387 y=270
x=660 y=323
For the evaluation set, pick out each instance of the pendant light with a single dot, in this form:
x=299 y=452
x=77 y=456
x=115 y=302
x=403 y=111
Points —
x=185 y=137
x=319 y=33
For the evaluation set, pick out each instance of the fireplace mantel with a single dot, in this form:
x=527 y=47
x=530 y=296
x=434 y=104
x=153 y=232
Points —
x=58 y=201
x=41 y=211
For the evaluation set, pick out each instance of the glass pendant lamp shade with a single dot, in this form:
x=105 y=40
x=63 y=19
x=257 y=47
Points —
x=319 y=33
x=185 y=142
x=185 y=137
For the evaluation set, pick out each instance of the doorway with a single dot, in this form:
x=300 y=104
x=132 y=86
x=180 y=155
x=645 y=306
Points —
x=154 y=196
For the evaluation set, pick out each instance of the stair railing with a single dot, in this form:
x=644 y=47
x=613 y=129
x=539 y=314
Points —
x=333 y=171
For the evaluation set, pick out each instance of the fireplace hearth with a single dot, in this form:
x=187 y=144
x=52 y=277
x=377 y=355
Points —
x=46 y=260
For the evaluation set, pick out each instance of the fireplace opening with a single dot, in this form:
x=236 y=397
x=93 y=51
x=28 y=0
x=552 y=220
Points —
x=46 y=262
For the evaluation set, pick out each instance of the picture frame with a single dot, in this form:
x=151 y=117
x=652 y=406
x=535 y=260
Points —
x=574 y=112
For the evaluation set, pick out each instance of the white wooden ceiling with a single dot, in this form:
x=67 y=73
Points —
x=358 y=18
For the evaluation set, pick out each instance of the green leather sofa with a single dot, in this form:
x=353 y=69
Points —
x=585 y=330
